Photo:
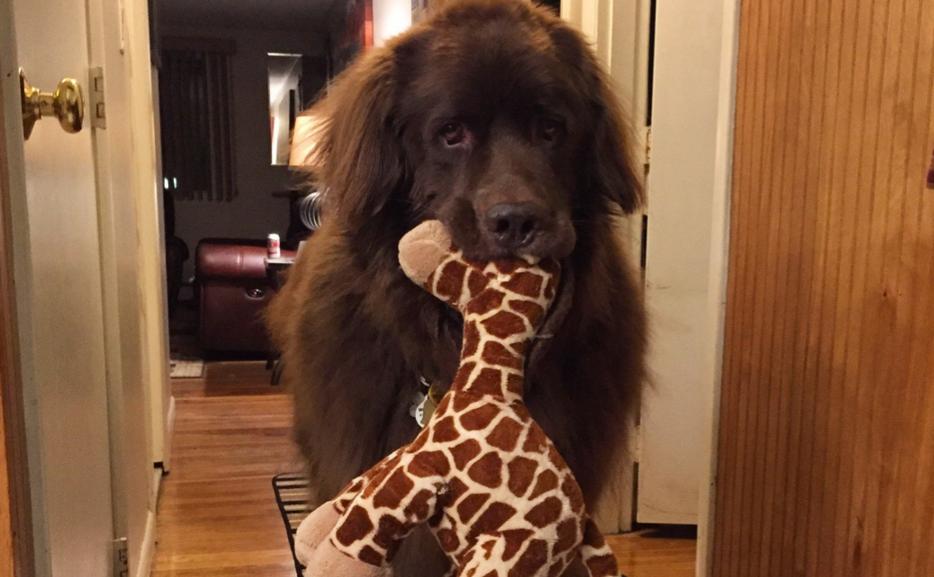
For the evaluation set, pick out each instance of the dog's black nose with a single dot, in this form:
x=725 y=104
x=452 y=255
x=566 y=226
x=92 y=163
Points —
x=514 y=225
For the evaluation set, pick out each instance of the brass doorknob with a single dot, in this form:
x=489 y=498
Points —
x=66 y=104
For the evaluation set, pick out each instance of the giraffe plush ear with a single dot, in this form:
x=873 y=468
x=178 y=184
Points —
x=422 y=249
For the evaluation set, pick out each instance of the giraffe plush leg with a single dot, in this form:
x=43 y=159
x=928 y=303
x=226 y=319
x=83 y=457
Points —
x=596 y=555
x=314 y=530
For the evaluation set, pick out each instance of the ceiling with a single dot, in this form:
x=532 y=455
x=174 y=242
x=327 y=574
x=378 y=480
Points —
x=269 y=14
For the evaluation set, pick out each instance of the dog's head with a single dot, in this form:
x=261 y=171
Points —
x=494 y=117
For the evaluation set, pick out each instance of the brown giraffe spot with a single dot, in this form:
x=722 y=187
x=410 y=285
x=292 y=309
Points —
x=429 y=464
x=524 y=283
x=532 y=559
x=573 y=491
x=479 y=418
x=370 y=555
x=476 y=282
x=535 y=441
x=519 y=348
x=521 y=473
x=470 y=340
x=515 y=384
x=487 y=470
x=448 y=540
x=592 y=535
x=419 y=441
x=491 y=519
x=451 y=281
x=504 y=324
x=550 y=288
x=356 y=526
x=567 y=534
x=506 y=266
x=484 y=302
x=456 y=490
x=602 y=565
x=495 y=353
x=488 y=549
x=492 y=573
x=442 y=407
x=487 y=381
x=467 y=508
x=379 y=471
x=529 y=309
x=545 y=513
x=557 y=568
x=515 y=539
x=464 y=452
x=547 y=481
x=505 y=435
x=461 y=402
x=393 y=490
x=389 y=530
x=444 y=430
x=418 y=508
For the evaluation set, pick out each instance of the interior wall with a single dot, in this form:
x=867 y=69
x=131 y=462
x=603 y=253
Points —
x=254 y=212
x=826 y=447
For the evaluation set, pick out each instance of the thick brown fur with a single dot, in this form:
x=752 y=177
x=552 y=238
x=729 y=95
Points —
x=355 y=334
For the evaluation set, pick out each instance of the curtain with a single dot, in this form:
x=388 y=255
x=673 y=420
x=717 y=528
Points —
x=195 y=97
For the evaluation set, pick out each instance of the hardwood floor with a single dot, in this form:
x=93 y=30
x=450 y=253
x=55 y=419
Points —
x=217 y=515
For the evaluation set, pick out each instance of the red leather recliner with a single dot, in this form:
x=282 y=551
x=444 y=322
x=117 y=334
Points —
x=234 y=290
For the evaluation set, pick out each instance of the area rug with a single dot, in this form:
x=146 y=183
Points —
x=186 y=368
x=292 y=499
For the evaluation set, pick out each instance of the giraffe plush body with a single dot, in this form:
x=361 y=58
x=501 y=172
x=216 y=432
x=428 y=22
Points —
x=491 y=485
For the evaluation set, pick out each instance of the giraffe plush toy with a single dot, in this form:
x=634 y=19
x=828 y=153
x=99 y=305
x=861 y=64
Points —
x=485 y=477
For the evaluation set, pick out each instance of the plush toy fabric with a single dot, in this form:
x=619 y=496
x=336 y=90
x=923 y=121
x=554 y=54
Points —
x=485 y=477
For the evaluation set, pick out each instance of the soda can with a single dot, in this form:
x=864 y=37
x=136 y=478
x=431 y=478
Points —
x=273 y=246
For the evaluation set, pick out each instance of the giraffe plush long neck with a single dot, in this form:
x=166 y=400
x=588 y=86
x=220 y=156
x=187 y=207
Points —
x=482 y=474
x=503 y=304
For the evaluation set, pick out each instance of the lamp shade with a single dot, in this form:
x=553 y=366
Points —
x=304 y=139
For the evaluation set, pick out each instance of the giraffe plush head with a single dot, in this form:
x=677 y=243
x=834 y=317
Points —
x=505 y=299
x=482 y=474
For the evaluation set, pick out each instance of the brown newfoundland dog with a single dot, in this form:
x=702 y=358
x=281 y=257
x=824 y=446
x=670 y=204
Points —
x=494 y=117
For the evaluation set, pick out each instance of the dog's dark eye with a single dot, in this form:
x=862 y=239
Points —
x=549 y=129
x=453 y=133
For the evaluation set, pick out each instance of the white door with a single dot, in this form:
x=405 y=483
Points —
x=75 y=241
x=682 y=273
x=685 y=266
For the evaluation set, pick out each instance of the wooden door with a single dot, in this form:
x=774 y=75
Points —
x=826 y=443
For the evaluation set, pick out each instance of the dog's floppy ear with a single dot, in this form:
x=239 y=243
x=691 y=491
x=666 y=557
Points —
x=611 y=167
x=358 y=157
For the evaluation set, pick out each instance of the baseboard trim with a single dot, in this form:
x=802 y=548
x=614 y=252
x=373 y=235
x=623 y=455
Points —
x=169 y=435
x=148 y=549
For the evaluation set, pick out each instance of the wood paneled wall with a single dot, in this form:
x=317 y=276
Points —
x=826 y=444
